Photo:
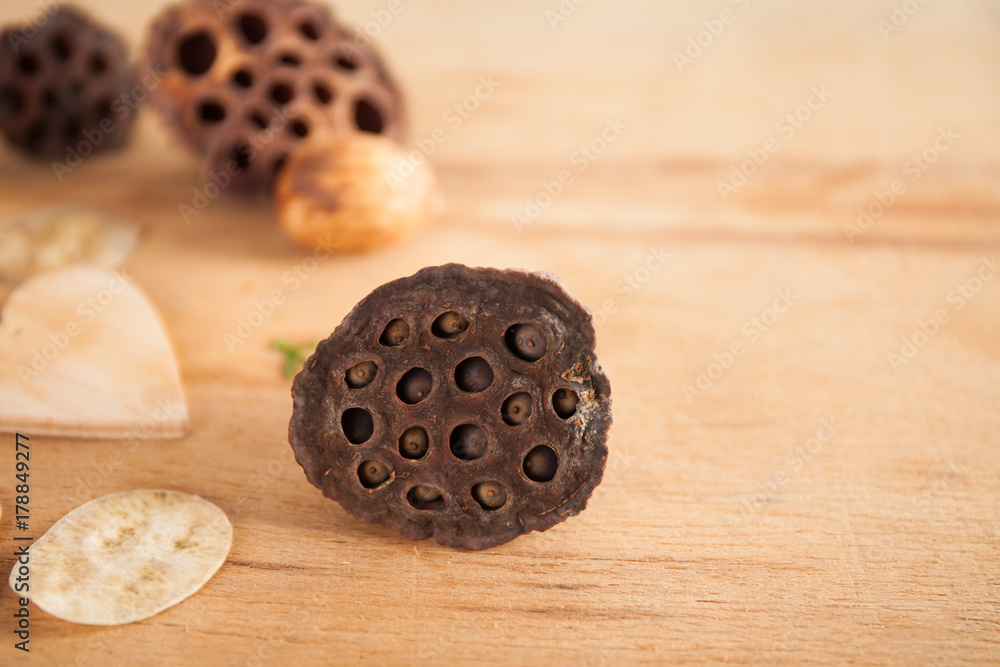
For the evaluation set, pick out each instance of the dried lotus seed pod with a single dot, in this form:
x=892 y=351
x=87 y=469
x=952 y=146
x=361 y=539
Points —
x=245 y=86
x=466 y=431
x=63 y=90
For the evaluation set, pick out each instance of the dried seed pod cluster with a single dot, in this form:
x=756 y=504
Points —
x=64 y=87
x=246 y=85
x=463 y=404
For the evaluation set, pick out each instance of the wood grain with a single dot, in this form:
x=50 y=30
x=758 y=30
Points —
x=813 y=503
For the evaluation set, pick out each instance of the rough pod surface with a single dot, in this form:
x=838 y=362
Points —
x=244 y=86
x=66 y=87
x=459 y=403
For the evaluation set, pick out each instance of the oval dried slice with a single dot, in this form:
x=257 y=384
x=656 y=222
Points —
x=127 y=556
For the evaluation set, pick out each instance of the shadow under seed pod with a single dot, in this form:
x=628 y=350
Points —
x=413 y=443
x=424 y=498
x=516 y=409
x=395 y=333
x=564 y=402
x=414 y=386
x=468 y=442
x=490 y=495
x=361 y=375
x=473 y=375
x=526 y=341
x=540 y=464
x=372 y=474
x=449 y=324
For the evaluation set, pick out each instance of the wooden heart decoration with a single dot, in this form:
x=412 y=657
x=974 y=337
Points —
x=83 y=353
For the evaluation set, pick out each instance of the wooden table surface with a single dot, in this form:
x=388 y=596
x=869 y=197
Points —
x=830 y=493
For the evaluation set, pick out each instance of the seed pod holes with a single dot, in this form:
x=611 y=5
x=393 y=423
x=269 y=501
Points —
x=468 y=431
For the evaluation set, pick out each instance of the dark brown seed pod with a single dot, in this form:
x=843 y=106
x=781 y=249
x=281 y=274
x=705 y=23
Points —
x=66 y=87
x=482 y=437
x=245 y=86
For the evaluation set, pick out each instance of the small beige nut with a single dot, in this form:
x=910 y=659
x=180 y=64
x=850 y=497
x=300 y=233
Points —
x=353 y=193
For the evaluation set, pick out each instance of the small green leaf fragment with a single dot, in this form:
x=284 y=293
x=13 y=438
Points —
x=295 y=355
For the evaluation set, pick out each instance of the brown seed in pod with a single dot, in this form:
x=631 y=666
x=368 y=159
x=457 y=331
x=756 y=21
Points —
x=487 y=417
x=66 y=87
x=245 y=86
